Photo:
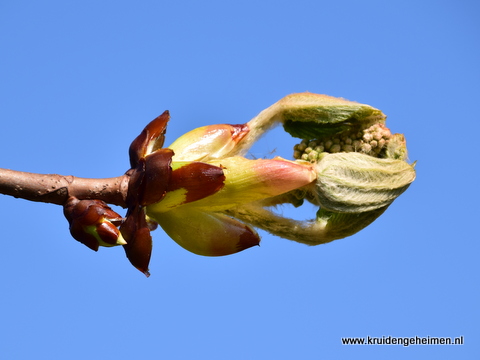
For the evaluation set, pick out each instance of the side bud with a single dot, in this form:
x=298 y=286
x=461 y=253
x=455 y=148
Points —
x=93 y=223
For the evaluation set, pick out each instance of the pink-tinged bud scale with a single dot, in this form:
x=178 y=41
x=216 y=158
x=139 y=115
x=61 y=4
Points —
x=252 y=180
x=207 y=233
x=208 y=142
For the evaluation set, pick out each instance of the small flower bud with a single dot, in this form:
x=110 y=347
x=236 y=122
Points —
x=297 y=154
x=312 y=156
x=367 y=137
x=335 y=148
x=381 y=143
x=357 y=144
x=302 y=146
x=377 y=135
x=366 y=148
x=347 y=148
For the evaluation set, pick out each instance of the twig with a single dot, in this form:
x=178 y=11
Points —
x=55 y=189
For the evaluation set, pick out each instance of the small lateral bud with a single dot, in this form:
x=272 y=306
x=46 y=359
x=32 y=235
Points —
x=93 y=223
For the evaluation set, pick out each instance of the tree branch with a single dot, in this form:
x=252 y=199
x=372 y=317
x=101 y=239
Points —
x=56 y=189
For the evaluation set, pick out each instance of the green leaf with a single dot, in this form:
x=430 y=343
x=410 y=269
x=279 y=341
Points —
x=353 y=182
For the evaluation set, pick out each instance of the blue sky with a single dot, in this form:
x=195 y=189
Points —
x=79 y=80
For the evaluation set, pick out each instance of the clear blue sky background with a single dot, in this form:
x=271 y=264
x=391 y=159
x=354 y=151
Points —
x=80 y=79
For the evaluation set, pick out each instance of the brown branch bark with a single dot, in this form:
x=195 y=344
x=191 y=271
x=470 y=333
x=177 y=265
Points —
x=55 y=189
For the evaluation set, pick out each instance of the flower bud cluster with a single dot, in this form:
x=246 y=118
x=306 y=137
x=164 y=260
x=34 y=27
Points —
x=372 y=141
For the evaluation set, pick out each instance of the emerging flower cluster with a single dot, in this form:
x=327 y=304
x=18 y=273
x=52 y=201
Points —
x=371 y=141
